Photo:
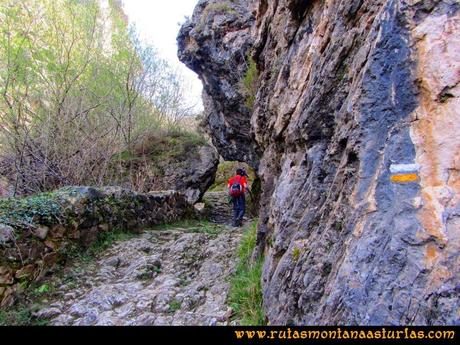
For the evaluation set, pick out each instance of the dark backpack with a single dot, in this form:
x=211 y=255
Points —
x=236 y=189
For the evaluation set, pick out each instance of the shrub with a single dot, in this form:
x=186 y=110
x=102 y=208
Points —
x=249 y=83
x=72 y=97
x=20 y=316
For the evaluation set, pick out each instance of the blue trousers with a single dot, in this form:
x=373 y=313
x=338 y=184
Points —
x=239 y=207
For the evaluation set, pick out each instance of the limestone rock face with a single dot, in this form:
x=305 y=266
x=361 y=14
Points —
x=180 y=161
x=195 y=176
x=215 y=44
x=354 y=132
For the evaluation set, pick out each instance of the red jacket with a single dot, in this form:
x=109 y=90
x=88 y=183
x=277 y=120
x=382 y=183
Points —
x=241 y=179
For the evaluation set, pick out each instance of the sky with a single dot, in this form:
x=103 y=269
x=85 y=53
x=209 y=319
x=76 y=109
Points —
x=157 y=22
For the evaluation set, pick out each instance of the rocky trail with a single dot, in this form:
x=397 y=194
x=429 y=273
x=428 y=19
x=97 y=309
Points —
x=172 y=276
x=218 y=208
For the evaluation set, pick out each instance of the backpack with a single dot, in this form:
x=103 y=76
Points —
x=236 y=189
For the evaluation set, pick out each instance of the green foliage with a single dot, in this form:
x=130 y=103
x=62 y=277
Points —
x=207 y=228
x=245 y=296
x=20 y=316
x=43 y=289
x=174 y=306
x=106 y=239
x=76 y=89
x=188 y=137
x=296 y=253
x=220 y=7
x=249 y=82
x=20 y=212
x=152 y=155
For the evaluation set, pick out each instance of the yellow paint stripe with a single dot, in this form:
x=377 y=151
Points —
x=401 y=178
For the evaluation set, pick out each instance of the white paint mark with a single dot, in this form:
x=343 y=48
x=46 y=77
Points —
x=404 y=168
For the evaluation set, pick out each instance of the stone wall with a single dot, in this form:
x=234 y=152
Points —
x=36 y=232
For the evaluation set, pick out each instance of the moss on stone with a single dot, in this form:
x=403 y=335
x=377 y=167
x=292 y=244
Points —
x=296 y=253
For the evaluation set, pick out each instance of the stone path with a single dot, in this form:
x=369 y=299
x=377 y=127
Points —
x=169 y=277
x=218 y=208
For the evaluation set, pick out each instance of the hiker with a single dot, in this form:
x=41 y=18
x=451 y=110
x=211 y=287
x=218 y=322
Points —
x=237 y=187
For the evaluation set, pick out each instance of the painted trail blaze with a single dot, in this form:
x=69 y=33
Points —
x=401 y=178
x=403 y=173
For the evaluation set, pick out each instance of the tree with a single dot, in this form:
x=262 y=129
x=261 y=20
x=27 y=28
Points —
x=77 y=87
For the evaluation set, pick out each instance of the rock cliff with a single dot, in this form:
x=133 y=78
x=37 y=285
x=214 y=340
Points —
x=177 y=160
x=353 y=132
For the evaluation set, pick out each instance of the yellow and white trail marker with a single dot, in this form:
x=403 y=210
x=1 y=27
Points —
x=403 y=173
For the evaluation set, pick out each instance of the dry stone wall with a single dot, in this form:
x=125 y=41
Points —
x=38 y=231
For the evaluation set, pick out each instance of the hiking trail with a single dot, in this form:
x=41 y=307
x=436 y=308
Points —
x=174 y=276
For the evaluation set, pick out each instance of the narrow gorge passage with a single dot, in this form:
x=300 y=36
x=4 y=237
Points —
x=177 y=275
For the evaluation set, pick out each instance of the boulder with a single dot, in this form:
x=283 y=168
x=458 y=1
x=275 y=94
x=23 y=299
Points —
x=194 y=175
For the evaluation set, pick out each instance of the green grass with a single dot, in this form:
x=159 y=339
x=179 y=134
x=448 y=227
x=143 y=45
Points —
x=104 y=241
x=21 y=313
x=296 y=253
x=20 y=316
x=249 y=83
x=175 y=142
x=245 y=296
x=174 y=306
x=152 y=154
x=43 y=289
x=194 y=226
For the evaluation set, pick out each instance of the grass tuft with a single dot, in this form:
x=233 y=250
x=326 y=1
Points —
x=174 y=306
x=245 y=295
x=249 y=83
x=194 y=225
